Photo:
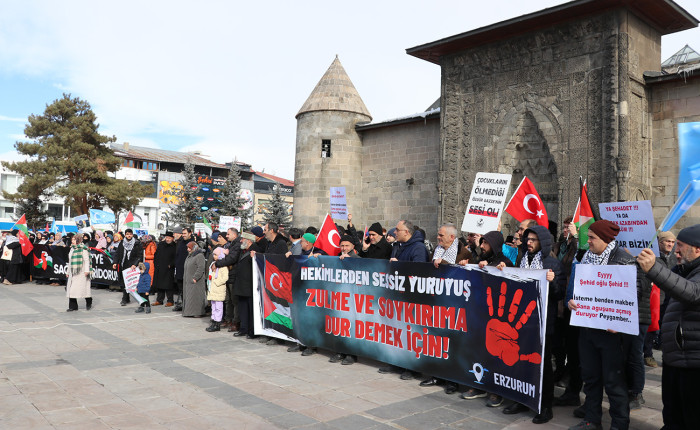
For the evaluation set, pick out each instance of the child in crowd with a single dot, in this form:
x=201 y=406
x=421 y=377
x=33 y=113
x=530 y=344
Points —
x=144 y=288
x=216 y=289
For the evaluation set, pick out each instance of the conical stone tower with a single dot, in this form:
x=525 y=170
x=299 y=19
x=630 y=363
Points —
x=328 y=150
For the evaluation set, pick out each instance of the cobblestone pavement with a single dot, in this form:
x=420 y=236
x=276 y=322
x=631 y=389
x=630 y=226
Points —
x=112 y=368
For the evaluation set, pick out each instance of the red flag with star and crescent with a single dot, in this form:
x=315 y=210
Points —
x=277 y=282
x=328 y=238
x=527 y=204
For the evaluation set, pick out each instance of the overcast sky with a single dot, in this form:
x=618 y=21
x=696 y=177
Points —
x=225 y=77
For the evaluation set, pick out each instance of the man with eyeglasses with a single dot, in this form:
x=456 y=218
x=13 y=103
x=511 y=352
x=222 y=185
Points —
x=375 y=245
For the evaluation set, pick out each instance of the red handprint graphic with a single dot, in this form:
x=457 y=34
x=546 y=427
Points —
x=501 y=337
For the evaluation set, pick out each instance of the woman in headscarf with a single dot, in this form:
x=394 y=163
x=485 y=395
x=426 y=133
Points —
x=78 y=285
x=149 y=253
x=115 y=242
x=101 y=240
x=88 y=241
x=194 y=288
x=14 y=270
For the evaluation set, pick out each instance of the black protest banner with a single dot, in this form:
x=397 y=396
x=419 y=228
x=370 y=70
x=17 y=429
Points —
x=52 y=262
x=479 y=328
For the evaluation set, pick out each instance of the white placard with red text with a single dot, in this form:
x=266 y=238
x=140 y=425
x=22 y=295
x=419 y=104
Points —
x=131 y=278
x=636 y=222
x=606 y=297
x=226 y=222
x=486 y=202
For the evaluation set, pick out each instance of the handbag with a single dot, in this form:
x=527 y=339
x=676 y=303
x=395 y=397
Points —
x=6 y=254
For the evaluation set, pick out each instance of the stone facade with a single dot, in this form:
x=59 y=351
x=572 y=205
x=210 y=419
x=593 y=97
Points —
x=400 y=174
x=673 y=101
x=556 y=104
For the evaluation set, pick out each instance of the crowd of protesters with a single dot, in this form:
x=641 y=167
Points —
x=213 y=276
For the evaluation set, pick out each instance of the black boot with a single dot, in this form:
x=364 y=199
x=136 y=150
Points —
x=215 y=326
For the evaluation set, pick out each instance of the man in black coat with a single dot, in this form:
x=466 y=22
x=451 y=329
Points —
x=375 y=245
x=129 y=255
x=536 y=247
x=275 y=241
x=164 y=269
x=604 y=354
x=243 y=284
x=180 y=257
x=681 y=329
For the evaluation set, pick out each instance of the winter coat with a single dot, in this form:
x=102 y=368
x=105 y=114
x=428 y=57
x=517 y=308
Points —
x=463 y=253
x=180 y=257
x=16 y=248
x=194 y=284
x=277 y=246
x=135 y=257
x=78 y=286
x=243 y=284
x=381 y=250
x=149 y=253
x=217 y=285
x=557 y=287
x=164 y=262
x=680 y=331
x=230 y=260
x=144 y=285
x=495 y=256
x=412 y=250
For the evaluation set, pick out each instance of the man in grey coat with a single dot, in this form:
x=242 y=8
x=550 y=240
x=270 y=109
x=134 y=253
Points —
x=680 y=329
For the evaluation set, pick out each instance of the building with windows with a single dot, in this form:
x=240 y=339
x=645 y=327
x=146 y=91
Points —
x=161 y=169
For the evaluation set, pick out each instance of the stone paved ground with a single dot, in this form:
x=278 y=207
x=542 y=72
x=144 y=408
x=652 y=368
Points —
x=111 y=368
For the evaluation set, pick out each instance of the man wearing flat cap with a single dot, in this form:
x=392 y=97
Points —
x=604 y=353
x=680 y=330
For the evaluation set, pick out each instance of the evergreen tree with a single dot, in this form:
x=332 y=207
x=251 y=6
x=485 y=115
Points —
x=70 y=159
x=231 y=201
x=186 y=211
x=33 y=209
x=277 y=210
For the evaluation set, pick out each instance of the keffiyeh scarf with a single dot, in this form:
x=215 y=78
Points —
x=536 y=261
x=600 y=260
x=449 y=254
x=128 y=246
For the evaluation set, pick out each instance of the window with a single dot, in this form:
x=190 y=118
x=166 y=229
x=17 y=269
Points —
x=55 y=211
x=325 y=148
x=9 y=183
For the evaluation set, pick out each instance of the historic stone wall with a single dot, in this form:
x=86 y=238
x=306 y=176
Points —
x=566 y=90
x=314 y=175
x=400 y=176
x=671 y=103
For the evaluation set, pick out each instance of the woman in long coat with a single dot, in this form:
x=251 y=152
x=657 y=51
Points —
x=14 y=269
x=78 y=285
x=194 y=288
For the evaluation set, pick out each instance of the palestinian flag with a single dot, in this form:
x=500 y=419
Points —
x=43 y=262
x=583 y=217
x=23 y=235
x=207 y=226
x=276 y=313
x=131 y=222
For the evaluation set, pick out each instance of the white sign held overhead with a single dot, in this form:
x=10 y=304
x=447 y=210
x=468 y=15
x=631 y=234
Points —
x=486 y=202
x=339 y=205
x=636 y=222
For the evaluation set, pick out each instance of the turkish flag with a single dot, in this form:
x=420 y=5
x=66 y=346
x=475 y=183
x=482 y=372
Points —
x=527 y=204
x=277 y=282
x=328 y=238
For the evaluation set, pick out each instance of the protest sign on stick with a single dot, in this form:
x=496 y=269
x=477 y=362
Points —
x=486 y=202
x=339 y=205
x=636 y=222
x=606 y=297
x=131 y=281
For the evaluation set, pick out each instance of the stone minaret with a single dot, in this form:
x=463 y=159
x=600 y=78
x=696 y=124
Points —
x=328 y=151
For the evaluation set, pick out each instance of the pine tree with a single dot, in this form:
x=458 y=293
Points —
x=33 y=209
x=232 y=204
x=186 y=211
x=277 y=210
x=70 y=159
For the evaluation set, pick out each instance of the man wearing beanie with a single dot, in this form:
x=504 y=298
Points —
x=375 y=245
x=604 y=354
x=680 y=330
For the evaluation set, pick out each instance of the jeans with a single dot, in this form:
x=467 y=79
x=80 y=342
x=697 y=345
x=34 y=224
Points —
x=603 y=366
